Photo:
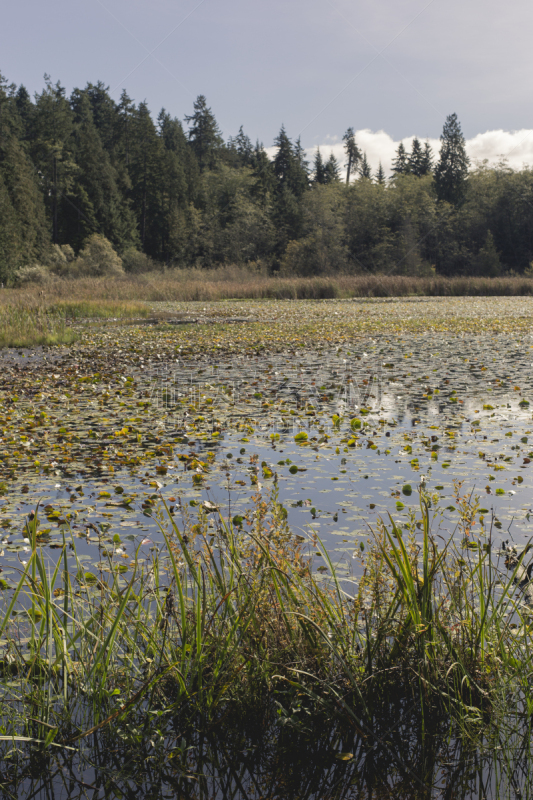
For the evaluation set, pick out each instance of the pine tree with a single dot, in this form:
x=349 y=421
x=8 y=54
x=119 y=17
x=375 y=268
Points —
x=174 y=189
x=415 y=158
x=319 y=171
x=95 y=203
x=146 y=172
x=204 y=134
x=364 y=168
x=400 y=164
x=290 y=166
x=264 y=179
x=353 y=153
x=24 y=233
x=26 y=112
x=244 y=148
x=126 y=115
x=380 y=175
x=283 y=160
x=300 y=177
x=451 y=171
x=332 y=171
x=105 y=114
x=51 y=147
x=427 y=160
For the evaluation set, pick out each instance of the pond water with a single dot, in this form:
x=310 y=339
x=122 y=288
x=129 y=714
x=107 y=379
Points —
x=345 y=436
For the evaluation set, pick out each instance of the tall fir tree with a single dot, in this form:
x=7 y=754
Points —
x=105 y=114
x=51 y=148
x=451 y=171
x=289 y=165
x=145 y=169
x=380 y=175
x=204 y=134
x=420 y=160
x=300 y=179
x=126 y=115
x=264 y=179
x=400 y=164
x=319 y=170
x=364 y=168
x=415 y=157
x=24 y=231
x=353 y=154
x=242 y=149
x=94 y=203
x=427 y=160
x=174 y=187
x=332 y=170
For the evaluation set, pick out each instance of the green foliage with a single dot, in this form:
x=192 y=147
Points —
x=204 y=134
x=84 y=165
x=98 y=258
x=452 y=168
x=353 y=154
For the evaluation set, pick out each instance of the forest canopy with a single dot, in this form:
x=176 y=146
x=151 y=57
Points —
x=89 y=185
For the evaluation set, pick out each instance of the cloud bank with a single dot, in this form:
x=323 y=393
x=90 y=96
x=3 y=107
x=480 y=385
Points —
x=516 y=147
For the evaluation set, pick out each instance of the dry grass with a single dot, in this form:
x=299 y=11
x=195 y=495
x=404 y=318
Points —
x=238 y=283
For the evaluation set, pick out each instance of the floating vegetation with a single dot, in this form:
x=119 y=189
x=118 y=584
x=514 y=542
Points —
x=331 y=546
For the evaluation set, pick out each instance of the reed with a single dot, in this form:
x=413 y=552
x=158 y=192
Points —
x=232 y=617
x=27 y=325
x=235 y=282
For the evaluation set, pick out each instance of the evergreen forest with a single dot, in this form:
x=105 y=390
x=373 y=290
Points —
x=89 y=185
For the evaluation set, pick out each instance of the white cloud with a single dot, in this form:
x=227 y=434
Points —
x=514 y=146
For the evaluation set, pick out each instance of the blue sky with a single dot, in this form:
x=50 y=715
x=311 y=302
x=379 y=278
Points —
x=318 y=66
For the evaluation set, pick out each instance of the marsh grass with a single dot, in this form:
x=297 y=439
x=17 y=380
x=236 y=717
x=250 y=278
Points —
x=226 y=283
x=26 y=325
x=232 y=619
x=96 y=309
x=28 y=319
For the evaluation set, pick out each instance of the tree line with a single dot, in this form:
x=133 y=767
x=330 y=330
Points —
x=82 y=173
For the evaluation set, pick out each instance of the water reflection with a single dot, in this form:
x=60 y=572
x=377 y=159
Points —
x=402 y=755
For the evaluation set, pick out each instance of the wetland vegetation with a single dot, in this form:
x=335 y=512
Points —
x=90 y=187
x=256 y=549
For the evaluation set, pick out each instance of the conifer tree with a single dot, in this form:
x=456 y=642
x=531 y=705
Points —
x=427 y=160
x=204 y=134
x=353 y=154
x=24 y=234
x=105 y=114
x=146 y=173
x=126 y=115
x=174 y=196
x=26 y=112
x=51 y=148
x=319 y=171
x=264 y=179
x=420 y=160
x=452 y=168
x=94 y=203
x=331 y=170
x=364 y=168
x=290 y=166
x=380 y=175
x=283 y=160
x=244 y=148
x=414 y=160
x=400 y=164
x=300 y=177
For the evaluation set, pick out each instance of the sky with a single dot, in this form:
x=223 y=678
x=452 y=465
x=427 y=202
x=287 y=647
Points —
x=390 y=70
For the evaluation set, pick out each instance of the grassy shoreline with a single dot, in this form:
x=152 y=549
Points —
x=232 y=283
